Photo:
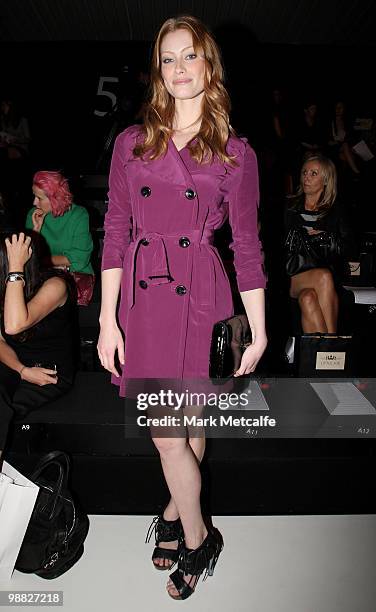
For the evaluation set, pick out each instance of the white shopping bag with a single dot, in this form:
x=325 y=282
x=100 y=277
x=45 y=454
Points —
x=17 y=499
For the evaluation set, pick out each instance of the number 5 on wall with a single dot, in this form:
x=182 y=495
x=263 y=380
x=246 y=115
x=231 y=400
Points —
x=104 y=92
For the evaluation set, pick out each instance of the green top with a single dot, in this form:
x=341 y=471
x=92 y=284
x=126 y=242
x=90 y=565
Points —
x=68 y=235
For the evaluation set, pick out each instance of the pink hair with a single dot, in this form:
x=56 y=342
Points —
x=56 y=188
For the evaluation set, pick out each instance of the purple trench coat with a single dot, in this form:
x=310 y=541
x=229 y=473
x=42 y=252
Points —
x=159 y=229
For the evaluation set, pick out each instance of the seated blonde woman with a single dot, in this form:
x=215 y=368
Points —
x=315 y=212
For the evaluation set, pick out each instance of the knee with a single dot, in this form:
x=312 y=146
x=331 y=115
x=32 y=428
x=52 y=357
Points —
x=169 y=446
x=308 y=300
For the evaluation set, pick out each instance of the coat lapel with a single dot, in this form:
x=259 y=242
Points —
x=179 y=162
x=178 y=168
x=168 y=167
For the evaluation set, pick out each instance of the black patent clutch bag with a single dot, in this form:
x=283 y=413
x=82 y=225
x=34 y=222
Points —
x=230 y=338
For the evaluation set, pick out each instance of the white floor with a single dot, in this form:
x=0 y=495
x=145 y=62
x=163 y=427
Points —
x=269 y=564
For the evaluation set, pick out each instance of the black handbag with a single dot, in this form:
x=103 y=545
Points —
x=230 y=338
x=58 y=526
x=305 y=251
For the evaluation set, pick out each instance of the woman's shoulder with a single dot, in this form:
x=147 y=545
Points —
x=294 y=203
x=293 y=208
x=129 y=136
x=338 y=210
x=59 y=283
x=78 y=212
x=126 y=141
x=337 y=205
x=55 y=286
x=239 y=147
x=55 y=280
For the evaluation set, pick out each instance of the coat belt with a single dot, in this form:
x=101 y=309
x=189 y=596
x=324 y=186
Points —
x=160 y=270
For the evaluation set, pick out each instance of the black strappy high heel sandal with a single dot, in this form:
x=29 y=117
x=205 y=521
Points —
x=165 y=531
x=194 y=562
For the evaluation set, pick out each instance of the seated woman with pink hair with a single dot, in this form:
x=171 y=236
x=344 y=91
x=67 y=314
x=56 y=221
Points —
x=64 y=225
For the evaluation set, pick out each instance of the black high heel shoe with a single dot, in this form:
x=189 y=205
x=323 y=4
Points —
x=194 y=562
x=165 y=531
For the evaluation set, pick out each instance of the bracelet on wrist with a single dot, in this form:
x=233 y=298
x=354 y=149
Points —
x=21 y=370
x=12 y=277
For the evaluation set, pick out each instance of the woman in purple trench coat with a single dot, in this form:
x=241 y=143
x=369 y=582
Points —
x=159 y=253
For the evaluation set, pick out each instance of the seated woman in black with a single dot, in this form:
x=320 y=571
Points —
x=315 y=211
x=36 y=364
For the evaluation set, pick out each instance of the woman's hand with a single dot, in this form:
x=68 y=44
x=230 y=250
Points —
x=37 y=218
x=109 y=341
x=19 y=251
x=39 y=376
x=251 y=357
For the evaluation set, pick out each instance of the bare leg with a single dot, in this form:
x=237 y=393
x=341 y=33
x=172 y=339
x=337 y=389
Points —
x=321 y=280
x=328 y=299
x=198 y=446
x=312 y=317
x=183 y=478
x=182 y=474
x=197 y=443
x=171 y=512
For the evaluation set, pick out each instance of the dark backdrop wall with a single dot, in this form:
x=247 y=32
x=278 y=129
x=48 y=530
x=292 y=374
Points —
x=67 y=90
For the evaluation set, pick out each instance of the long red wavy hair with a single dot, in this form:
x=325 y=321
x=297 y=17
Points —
x=159 y=110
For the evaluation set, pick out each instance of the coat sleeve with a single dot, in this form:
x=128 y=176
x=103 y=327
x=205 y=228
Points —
x=291 y=218
x=81 y=245
x=118 y=219
x=341 y=227
x=243 y=200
